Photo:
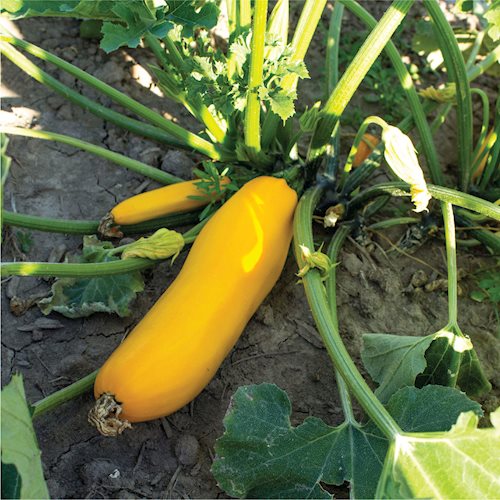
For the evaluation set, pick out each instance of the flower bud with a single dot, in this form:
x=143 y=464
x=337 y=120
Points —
x=314 y=260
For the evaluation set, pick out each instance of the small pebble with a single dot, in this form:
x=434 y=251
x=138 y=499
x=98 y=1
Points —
x=12 y=287
x=187 y=449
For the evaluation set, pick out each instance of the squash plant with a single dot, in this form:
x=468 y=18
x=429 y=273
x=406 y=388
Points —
x=244 y=99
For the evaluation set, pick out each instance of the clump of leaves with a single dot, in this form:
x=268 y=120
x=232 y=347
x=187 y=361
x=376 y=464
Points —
x=124 y=22
x=210 y=184
x=261 y=455
x=76 y=298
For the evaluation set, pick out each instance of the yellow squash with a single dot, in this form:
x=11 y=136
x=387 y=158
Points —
x=158 y=202
x=366 y=146
x=177 y=348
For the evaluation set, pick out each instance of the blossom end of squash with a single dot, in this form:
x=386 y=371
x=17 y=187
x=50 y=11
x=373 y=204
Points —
x=105 y=416
x=108 y=228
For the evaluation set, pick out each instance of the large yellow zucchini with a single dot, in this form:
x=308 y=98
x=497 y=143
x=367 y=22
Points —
x=176 y=349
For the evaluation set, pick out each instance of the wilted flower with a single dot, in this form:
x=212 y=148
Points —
x=402 y=158
x=161 y=245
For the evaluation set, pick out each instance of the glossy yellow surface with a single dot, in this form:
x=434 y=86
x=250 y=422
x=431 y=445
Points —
x=158 y=202
x=177 y=348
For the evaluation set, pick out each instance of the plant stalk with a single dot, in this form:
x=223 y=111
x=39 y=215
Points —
x=417 y=110
x=119 y=159
x=451 y=260
x=57 y=398
x=317 y=300
x=252 y=114
x=66 y=226
x=135 y=126
x=184 y=136
x=355 y=73
x=457 y=72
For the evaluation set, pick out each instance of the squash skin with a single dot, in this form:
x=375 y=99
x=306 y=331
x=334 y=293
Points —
x=177 y=348
x=158 y=202
x=364 y=149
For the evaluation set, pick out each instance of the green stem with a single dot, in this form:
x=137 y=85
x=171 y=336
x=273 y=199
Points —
x=135 y=126
x=355 y=73
x=304 y=31
x=475 y=49
x=332 y=48
x=331 y=286
x=59 y=397
x=66 y=226
x=175 y=55
x=332 y=78
x=197 y=109
x=418 y=113
x=441 y=193
x=479 y=68
x=317 y=299
x=184 y=136
x=457 y=72
x=119 y=159
x=396 y=221
x=86 y=270
x=252 y=115
x=451 y=260
x=494 y=152
x=65 y=270
x=484 y=126
x=492 y=241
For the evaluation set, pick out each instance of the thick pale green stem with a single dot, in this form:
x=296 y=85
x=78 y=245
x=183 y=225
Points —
x=355 y=73
x=50 y=225
x=316 y=297
x=457 y=73
x=122 y=160
x=135 y=126
x=331 y=79
x=492 y=58
x=441 y=193
x=62 y=396
x=331 y=287
x=86 y=270
x=417 y=110
x=304 y=31
x=451 y=260
x=252 y=115
x=197 y=109
x=181 y=134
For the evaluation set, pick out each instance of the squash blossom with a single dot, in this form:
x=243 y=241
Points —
x=401 y=157
x=314 y=260
x=446 y=94
x=161 y=245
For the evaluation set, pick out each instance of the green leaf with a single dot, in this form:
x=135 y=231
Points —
x=432 y=408
x=394 y=361
x=451 y=360
x=493 y=17
x=471 y=378
x=261 y=455
x=125 y=21
x=21 y=461
x=461 y=463
x=281 y=101
x=76 y=298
